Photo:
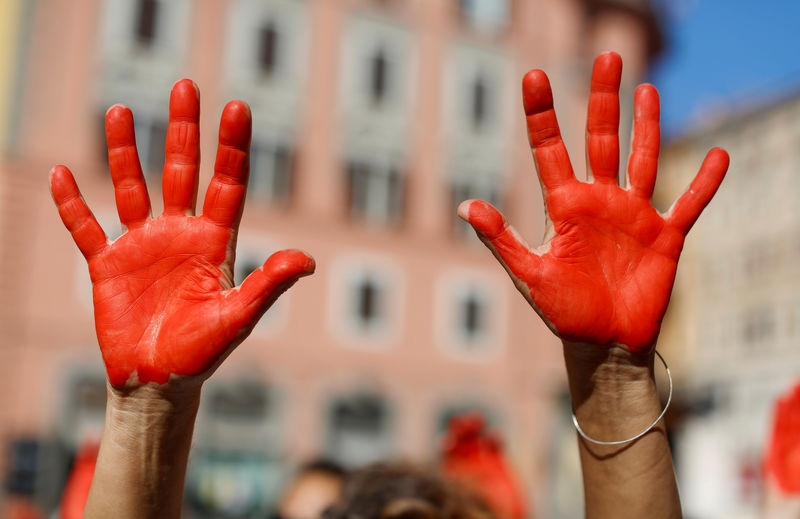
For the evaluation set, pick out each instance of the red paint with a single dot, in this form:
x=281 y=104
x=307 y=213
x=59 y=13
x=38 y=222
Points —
x=605 y=274
x=782 y=459
x=475 y=458
x=164 y=301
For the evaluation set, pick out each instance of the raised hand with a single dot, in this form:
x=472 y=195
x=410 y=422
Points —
x=164 y=300
x=605 y=270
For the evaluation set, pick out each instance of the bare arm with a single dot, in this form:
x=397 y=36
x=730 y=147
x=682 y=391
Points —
x=166 y=311
x=615 y=397
x=601 y=281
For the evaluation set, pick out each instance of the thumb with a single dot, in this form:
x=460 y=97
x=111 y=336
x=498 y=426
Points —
x=248 y=302
x=505 y=243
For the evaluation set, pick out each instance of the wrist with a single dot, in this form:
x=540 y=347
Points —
x=151 y=411
x=608 y=368
x=613 y=391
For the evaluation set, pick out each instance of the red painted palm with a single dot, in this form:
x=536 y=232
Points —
x=605 y=271
x=163 y=292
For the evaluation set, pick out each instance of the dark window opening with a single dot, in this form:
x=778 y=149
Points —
x=242 y=401
x=146 y=20
x=472 y=316
x=368 y=302
x=23 y=467
x=478 y=102
x=379 y=76
x=268 y=48
x=365 y=413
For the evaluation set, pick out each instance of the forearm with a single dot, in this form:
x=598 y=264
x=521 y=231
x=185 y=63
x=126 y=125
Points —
x=615 y=397
x=143 y=454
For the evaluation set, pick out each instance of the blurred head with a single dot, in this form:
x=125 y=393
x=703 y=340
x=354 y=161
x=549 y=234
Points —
x=315 y=487
x=401 y=491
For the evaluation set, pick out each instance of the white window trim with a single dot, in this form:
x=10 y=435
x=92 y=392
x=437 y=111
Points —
x=345 y=271
x=447 y=290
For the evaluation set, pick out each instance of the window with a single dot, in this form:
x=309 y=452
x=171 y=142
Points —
x=83 y=409
x=485 y=15
x=268 y=48
x=243 y=400
x=470 y=321
x=151 y=135
x=368 y=309
x=375 y=191
x=758 y=328
x=359 y=429
x=379 y=70
x=472 y=317
x=270 y=171
x=366 y=302
x=478 y=101
x=146 y=22
x=89 y=394
x=23 y=466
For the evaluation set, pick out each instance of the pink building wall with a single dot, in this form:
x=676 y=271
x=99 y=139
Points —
x=46 y=314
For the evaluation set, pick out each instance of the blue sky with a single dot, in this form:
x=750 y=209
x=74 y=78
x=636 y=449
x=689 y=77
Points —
x=723 y=55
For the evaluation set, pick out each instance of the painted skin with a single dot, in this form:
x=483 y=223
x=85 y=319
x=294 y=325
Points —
x=164 y=300
x=605 y=270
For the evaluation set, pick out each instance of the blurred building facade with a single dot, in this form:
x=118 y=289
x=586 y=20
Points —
x=733 y=326
x=373 y=119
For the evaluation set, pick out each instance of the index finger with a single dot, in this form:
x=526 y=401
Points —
x=544 y=135
x=225 y=195
x=77 y=218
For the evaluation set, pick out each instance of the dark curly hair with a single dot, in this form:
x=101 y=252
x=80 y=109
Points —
x=403 y=491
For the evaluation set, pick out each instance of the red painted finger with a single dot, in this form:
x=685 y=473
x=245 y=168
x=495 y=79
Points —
x=503 y=240
x=643 y=163
x=130 y=190
x=78 y=219
x=225 y=195
x=602 y=122
x=544 y=135
x=245 y=304
x=688 y=207
x=182 y=162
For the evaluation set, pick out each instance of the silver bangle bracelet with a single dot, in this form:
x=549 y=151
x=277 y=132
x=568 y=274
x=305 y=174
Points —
x=649 y=427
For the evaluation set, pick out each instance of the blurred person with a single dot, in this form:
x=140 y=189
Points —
x=397 y=490
x=76 y=491
x=315 y=487
x=782 y=459
x=166 y=314
x=474 y=457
